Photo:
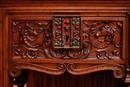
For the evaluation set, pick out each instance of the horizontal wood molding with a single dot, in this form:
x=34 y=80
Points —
x=27 y=28
x=115 y=3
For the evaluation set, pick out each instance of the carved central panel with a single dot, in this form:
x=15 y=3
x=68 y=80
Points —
x=100 y=39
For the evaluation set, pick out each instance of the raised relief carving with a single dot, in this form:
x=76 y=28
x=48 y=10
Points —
x=104 y=38
x=118 y=70
x=15 y=69
x=100 y=39
x=30 y=38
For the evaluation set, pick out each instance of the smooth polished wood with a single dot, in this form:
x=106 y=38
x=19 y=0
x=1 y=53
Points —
x=109 y=16
x=1 y=52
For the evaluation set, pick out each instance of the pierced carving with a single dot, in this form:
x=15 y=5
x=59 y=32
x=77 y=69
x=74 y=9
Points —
x=118 y=70
x=15 y=69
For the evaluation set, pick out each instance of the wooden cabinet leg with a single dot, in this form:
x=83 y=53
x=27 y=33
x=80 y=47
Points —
x=127 y=80
x=21 y=86
x=22 y=79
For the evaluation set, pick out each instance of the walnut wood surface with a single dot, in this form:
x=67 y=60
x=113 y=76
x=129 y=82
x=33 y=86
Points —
x=100 y=40
x=1 y=59
x=26 y=40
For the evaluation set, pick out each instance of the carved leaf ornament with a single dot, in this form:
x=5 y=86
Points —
x=67 y=38
x=99 y=39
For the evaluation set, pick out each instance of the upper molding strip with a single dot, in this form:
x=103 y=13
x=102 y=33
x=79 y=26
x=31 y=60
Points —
x=65 y=3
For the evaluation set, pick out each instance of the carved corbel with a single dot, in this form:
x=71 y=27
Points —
x=15 y=69
x=118 y=70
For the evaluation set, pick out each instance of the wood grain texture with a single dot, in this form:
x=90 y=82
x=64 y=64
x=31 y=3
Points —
x=1 y=53
x=98 y=3
x=107 y=23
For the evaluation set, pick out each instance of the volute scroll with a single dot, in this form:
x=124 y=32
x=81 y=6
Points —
x=118 y=70
x=15 y=69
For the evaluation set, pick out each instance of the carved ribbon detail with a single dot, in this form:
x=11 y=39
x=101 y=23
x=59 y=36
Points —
x=15 y=69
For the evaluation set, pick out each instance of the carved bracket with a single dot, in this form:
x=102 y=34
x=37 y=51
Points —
x=15 y=69
x=118 y=70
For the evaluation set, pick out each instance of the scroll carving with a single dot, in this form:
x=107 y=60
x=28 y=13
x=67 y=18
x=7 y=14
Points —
x=104 y=38
x=31 y=38
x=15 y=69
x=100 y=40
x=118 y=70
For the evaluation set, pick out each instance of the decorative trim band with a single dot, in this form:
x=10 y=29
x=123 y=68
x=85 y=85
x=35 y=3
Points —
x=118 y=70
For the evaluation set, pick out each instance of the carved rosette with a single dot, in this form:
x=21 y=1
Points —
x=15 y=69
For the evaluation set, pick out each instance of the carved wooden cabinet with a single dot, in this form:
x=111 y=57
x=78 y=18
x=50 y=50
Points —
x=53 y=37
